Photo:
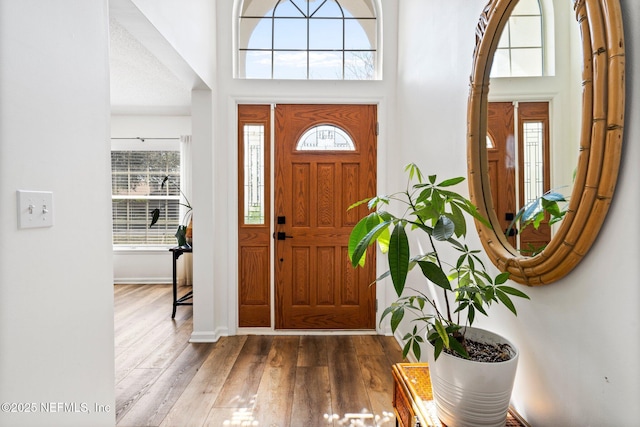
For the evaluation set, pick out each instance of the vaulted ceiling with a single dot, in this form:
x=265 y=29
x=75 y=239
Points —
x=147 y=77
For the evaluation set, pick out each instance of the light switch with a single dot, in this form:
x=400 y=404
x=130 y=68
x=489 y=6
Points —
x=35 y=209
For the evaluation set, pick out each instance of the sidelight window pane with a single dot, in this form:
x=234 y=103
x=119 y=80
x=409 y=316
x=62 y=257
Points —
x=533 y=161
x=254 y=178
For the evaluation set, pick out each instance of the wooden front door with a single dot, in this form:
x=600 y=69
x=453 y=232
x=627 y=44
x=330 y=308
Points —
x=528 y=160
x=325 y=160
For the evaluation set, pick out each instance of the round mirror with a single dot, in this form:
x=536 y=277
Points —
x=598 y=156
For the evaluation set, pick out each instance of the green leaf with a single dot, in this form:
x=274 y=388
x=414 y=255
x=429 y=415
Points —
x=458 y=219
x=375 y=201
x=399 y=257
x=358 y=203
x=443 y=229
x=501 y=278
x=155 y=215
x=361 y=246
x=479 y=307
x=405 y=349
x=554 y=196
x=416 y=349
x=451 y=181
x=357 y=234
x=396 y=318
x=504 y=299
x=512 y=291
x=438 y=347
x=471 y=315
x=472 y=210
x=442 y=333
x=458 y=348
x=413 y=171
x=434 y=273
x=383 y=240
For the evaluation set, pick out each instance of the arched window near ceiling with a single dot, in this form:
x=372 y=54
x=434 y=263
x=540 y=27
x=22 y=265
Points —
x=308 y=39
x=521 y=49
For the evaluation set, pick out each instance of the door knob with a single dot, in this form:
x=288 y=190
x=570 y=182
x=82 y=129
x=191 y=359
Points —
x=281 y=235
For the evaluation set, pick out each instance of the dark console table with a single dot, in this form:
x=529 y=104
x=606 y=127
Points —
x=177 y=253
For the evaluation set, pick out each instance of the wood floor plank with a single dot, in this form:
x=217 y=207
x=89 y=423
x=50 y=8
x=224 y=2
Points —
x=391 y=348
x=275 y=393
x=367 y=345
x=195 y=404
x=165 y=353
x=312 y=397
x=378 y=380
x=148 y=344
x=313 y=350
x=348 y=393
x=244 y=379
x=229 y=417
x=132 y=388
x=153 y=407
x=128 y=305
x=121 y=293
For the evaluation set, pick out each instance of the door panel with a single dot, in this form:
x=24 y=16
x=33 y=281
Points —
x=254 y=220
x=502 y=162
x=316 y=286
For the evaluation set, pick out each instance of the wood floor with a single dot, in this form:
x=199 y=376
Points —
x=163 y=380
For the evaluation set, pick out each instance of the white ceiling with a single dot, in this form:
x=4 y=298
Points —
x=140 y=82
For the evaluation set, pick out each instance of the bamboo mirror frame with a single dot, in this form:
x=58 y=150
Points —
x=601 y=132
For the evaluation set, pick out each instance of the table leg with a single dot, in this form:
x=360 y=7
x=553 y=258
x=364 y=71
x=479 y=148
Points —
x=176 y=254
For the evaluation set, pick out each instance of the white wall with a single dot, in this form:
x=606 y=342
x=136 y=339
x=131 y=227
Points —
x=579 y=337
x=145 y=265
x=56 y=294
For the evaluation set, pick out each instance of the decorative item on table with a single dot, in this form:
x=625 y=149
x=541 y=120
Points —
x=184 y=232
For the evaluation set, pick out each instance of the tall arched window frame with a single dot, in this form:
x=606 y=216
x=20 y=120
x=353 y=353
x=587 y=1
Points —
x=308 y=39
x=521 y=49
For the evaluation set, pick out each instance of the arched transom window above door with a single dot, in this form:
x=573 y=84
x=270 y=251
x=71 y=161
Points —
x=308 y=39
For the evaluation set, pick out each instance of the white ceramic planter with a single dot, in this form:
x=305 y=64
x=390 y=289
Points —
x=469 y=393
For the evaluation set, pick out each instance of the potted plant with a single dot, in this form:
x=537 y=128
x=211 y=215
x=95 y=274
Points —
x=184 y=230
x=437 y=213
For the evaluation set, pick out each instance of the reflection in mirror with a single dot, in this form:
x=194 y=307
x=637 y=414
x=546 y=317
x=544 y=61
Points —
x=532 y=114
x=569 y=115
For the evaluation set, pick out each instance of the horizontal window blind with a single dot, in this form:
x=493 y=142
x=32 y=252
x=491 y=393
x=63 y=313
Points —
x=137 y=190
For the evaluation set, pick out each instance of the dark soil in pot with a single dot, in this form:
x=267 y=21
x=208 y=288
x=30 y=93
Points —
x=485 y=352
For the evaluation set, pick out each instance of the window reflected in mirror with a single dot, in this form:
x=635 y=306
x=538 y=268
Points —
x=520 y=49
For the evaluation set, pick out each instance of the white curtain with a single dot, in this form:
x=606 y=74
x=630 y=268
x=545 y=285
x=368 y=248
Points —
x=185 y=262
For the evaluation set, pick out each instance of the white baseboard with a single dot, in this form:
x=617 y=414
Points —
x=142 y=280
x=208 y=336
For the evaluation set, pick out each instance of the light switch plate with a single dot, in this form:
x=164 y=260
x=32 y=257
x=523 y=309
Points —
x=35 y=209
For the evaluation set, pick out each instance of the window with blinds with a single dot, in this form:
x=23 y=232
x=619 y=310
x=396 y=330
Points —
x=137 y=190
